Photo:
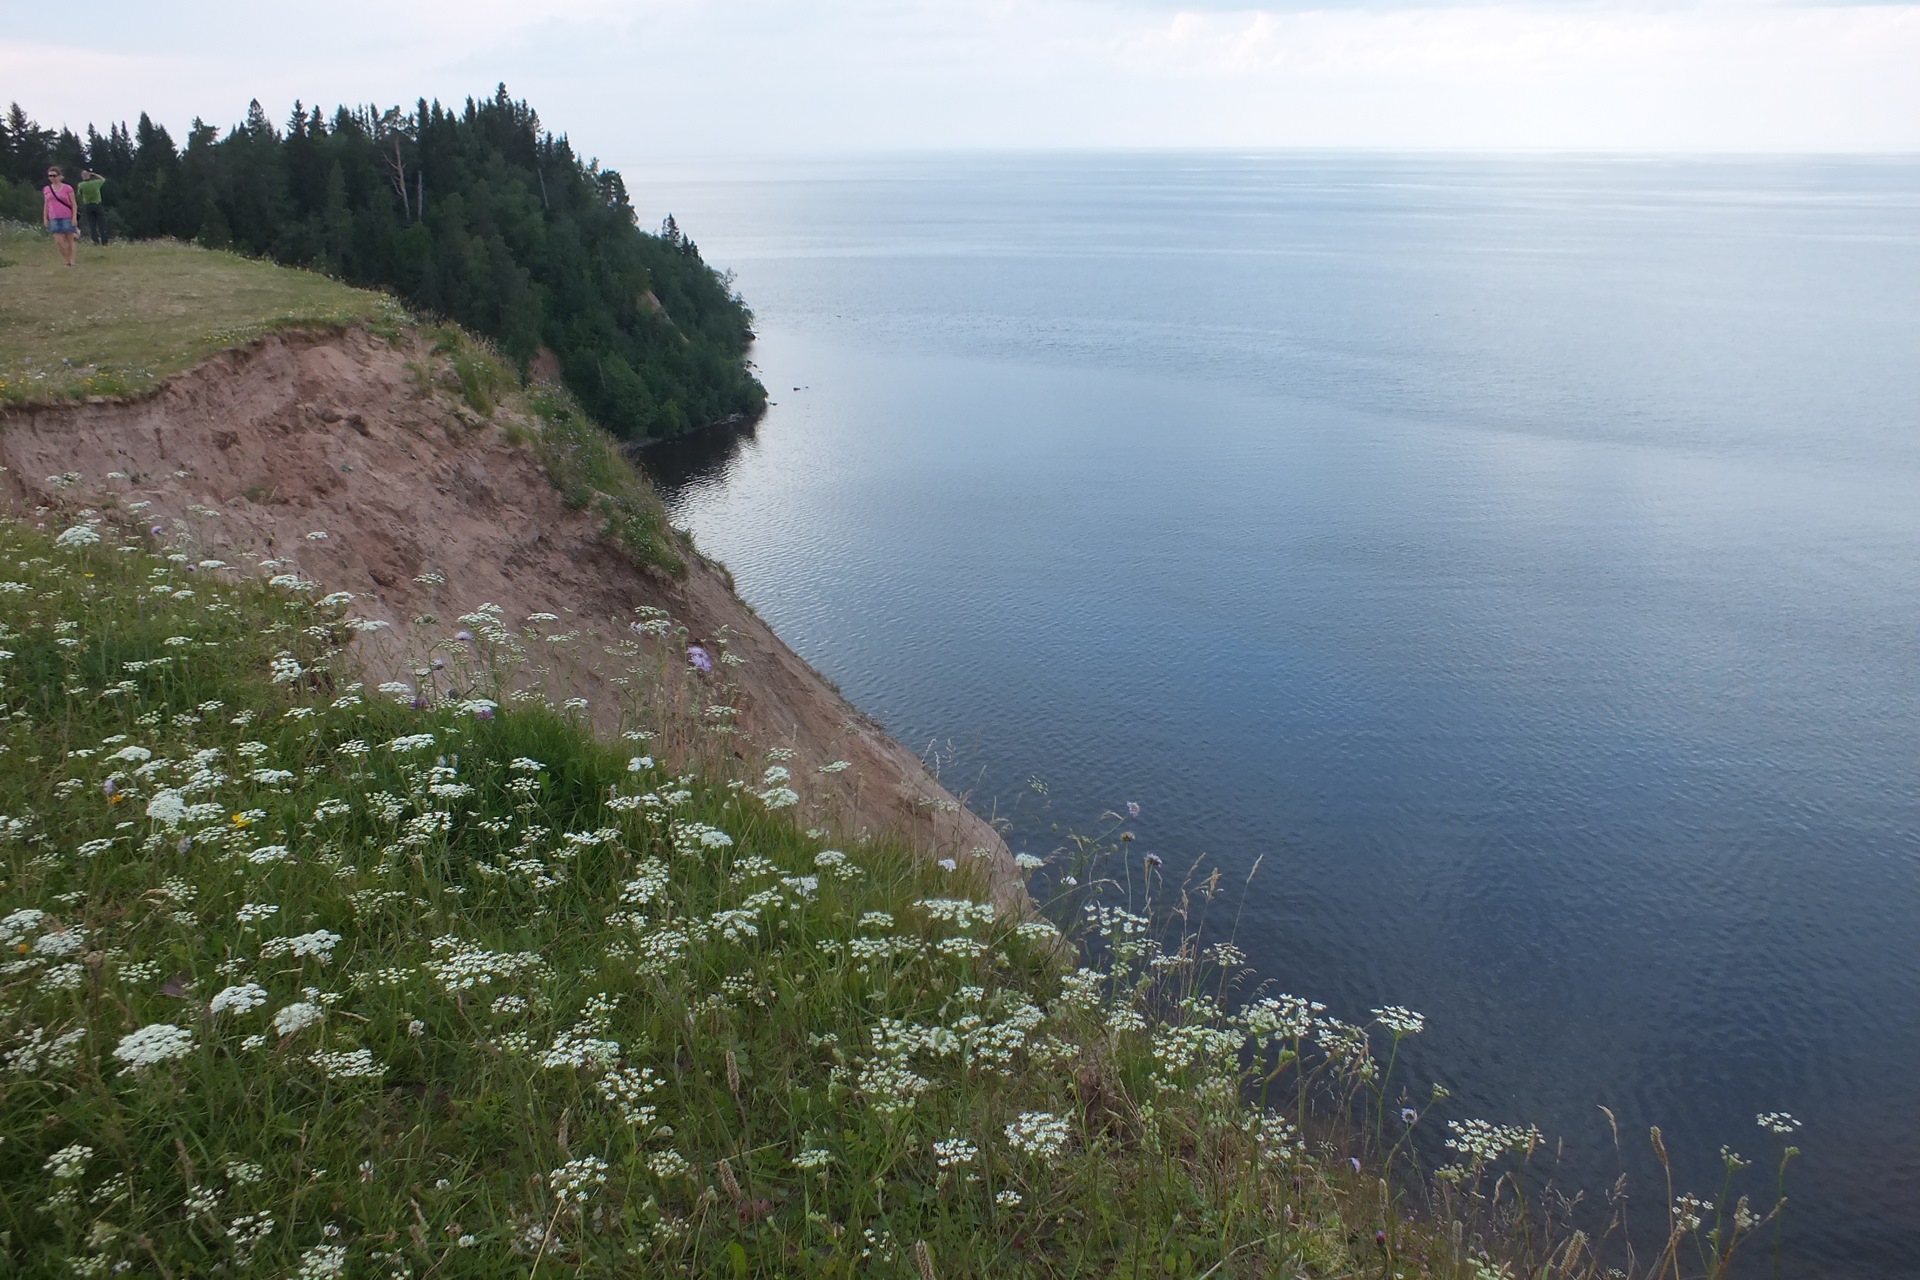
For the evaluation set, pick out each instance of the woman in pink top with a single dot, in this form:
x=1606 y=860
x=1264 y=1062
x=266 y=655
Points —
x=58 y=208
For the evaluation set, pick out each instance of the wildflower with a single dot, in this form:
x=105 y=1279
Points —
x=577 y=1179
x=322 y=1262
x=1777 y=1122
x=668 y=1164
x=699 y=658
x=69 y=1161
x=297 y=1017
x=80 y=535
x=320 y=943
x=1008 y=1199
x=1689 y=1211
x=168 y=808
x=244 y=998
x=626 y=1088
x=1027 y=862
x=1484 y=1141
x=813 y=1158
x=1399 y=1021
x=1039 y=1133
x=950 y=1153
x=153 y=1043
x=61 y=942
x=350 y=1064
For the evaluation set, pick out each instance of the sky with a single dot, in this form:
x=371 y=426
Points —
x=637 y=80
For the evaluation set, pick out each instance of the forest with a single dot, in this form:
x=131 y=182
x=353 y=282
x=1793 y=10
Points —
x=479 y=215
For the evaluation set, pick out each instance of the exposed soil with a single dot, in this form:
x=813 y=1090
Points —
x=300 y=434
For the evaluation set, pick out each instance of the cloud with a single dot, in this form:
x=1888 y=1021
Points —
x=631 y=78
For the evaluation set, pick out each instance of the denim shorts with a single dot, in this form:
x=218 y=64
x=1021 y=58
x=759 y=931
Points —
x=61 y=227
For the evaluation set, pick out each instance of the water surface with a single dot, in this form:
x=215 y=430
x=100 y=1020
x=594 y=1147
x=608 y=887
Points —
x=1517 y=556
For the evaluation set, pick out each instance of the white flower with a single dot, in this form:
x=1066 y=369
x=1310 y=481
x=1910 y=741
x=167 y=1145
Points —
x=297 y=1017
x=1039 y=1133
x=951 y=1152
x=81 y=535
x=61 y=942
x=349 y=1064
x=18 y=924
x=1777 y=1122
x=320 y=942
x=813 y=1158
x=639 y=763
x=1399 y=1021
x=411 y=741
x=577 y=1180
x=155 y=1042
x=322 y=1262
x=668 y=1164
x=244 y=998
x=1007 y=1199
x=69 y=1161
x=167 y=808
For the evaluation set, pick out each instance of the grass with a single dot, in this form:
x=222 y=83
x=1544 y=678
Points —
x=308 y=978
x=133 y=313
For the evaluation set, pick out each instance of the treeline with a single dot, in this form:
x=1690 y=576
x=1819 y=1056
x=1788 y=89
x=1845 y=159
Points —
x=479 y=215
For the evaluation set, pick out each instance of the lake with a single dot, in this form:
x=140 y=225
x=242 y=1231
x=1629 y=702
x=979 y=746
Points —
x=1519 y=558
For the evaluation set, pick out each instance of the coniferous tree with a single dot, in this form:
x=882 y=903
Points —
x=480 y=214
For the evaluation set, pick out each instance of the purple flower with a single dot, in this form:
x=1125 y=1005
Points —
x=419 y=704
x=698 y=657
x=107 y=786
x=1152 y=859
x=439 y=663
x=1133 y=809
x=157 y=530
x=484 y=713
x=463 y=635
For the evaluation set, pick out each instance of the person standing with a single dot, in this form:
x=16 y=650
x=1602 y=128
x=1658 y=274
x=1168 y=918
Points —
x=93 y=214
x=58 y=208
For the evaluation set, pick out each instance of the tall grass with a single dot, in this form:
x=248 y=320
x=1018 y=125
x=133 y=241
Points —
x=311 y=978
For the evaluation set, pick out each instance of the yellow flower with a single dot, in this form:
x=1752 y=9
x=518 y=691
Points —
x=241 y=820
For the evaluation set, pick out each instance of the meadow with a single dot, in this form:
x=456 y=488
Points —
x=134 y=312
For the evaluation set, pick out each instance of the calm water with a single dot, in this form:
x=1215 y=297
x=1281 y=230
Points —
x=1522 y=556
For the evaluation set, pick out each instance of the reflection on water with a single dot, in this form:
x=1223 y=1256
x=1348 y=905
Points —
x=694 y=460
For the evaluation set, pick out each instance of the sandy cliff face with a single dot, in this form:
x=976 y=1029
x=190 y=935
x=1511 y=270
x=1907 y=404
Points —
x=244 y=457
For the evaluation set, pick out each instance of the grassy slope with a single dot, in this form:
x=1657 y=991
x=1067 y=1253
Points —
x=560 y=1029
x=133 y=313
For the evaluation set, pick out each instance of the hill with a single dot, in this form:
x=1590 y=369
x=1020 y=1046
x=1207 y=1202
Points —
x=479 y=214
x=389 y=891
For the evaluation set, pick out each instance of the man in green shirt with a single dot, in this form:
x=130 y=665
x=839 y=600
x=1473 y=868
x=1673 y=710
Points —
x=93 y=214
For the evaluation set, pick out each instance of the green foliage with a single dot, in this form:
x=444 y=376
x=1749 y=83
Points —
x=304 y=977
x=590 y=471
x=478 y=215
